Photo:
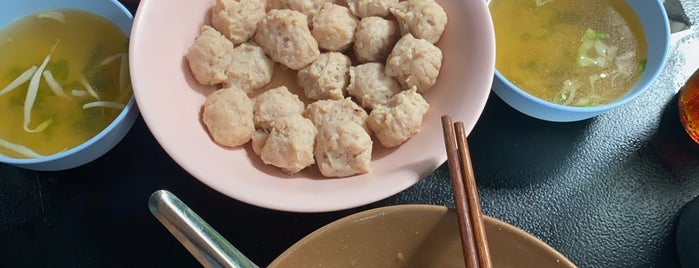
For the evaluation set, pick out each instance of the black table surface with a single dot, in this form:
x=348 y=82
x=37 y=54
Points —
x=605 y=192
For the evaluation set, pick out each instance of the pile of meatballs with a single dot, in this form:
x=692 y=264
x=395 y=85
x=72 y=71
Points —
x=362 y=65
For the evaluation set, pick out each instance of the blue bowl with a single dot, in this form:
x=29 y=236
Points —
x=657 y=31
x=115 y=131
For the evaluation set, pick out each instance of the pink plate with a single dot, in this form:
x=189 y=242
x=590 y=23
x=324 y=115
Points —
x=170 y=102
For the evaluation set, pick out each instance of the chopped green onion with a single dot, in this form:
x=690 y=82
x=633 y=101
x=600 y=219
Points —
x=21 y=79
x=98 y=55
x=561 y=97
x=567 y=93
x=588 y=42
x=590 y=34
x=104 y=104
x=22 y=150
x=605 y=54
x=585 y=61
x=601 y=35
x=31 y=97
x=54 y=85
x=642 y=65
x=59 y=69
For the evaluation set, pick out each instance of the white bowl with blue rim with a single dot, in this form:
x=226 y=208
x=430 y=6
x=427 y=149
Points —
x=657 y=31
x=110 y=136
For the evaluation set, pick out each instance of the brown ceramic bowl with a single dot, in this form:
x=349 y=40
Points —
x=412 y=236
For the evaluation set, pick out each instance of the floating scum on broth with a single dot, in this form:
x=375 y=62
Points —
x=63 y=77
x=577 y=53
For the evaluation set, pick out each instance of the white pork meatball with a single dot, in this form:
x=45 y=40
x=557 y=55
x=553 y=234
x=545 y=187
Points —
x=237 y=19
x=342 y=149
x=325 y=78
x=290 y=143
x=250 y=68
x=374 y=39
x=325 y=111
x=310 y=8
x=273 y=104
x=401 y=119
x=259 y=138
x=334 y=27
x=370 y=85
x=414 y=63
x=368 y=8
x=228 y=117
x=210 y=56
x=425 y=19
x=285 y=37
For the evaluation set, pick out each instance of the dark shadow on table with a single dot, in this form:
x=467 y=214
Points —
x=677 y=154
x=497 y=148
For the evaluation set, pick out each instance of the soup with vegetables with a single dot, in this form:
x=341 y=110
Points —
x=570 y=52
x=63 y=78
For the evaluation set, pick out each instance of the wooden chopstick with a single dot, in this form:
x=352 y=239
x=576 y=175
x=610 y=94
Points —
x=474 y=202
x=473 y=237
x=468 y=243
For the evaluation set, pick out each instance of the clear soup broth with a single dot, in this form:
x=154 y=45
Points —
x=87 y=61
x=570 y=52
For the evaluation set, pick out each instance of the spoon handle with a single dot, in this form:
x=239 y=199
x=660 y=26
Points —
x=201 y=240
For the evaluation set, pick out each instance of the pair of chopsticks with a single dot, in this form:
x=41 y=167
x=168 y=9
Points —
x=468 y=207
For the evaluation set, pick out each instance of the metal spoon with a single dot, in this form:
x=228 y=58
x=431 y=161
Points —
x=201 y=240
